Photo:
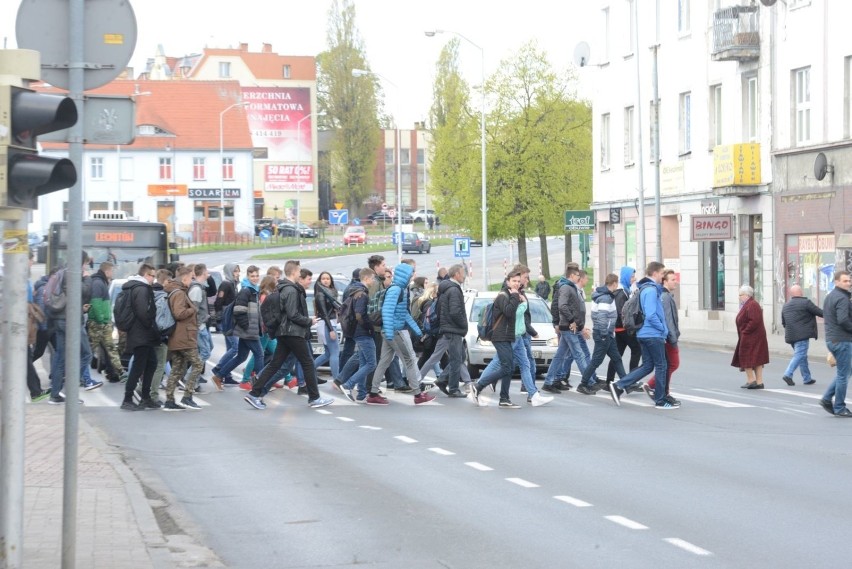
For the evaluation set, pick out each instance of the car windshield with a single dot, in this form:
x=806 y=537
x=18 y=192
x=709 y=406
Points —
x=539 y=310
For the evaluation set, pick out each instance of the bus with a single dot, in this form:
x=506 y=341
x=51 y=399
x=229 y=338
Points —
x=125 y=244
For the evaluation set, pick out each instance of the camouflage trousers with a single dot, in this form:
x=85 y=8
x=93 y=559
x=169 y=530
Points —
x=101 y=335
x=181 y=361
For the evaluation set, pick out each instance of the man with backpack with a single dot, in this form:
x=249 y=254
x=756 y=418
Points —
x=55 y=292
x=453 y=326
x=198 y=296
x=99 y=325
x=361 y=333
x=393 y=374
x=246 y=326
x=291 y=333
x=183 y=342
x=603 y=331
x=348 y=347
x=652 y=337
x=570 y=325
x=142 y=335
x=556 y=380
x=226 y=295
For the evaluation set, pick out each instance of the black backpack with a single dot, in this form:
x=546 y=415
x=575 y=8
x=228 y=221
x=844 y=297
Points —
x=270 y=312
x=632 y=317
x=122 y=312
x=346 y=314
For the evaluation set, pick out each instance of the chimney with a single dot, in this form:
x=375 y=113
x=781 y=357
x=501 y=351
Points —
x=243 y=46
x=267 y=48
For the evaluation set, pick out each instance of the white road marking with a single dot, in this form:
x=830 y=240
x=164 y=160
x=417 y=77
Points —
x=522 y=483
x=345 y=419
x=686 y=546
x=370 y=428
x=796 y=393
x=478 y=466
x=626 y=522
x=712 y=401
x=441 y=451
x=573 y=501
x=405 y=439
x=324 y=412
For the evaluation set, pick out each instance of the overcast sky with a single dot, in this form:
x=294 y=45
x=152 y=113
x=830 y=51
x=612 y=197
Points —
x=392 y=31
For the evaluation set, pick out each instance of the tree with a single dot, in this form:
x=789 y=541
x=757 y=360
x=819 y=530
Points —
x=350 y=105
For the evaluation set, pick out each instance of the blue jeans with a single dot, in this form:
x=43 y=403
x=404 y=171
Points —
x=331 y=355
x=528 y=348
x=520 y=359
x=653 y=359
x=800 y=360
x=232 y=343
x=243 y=348
x=560 y=365
x=579 y=349
x=57 y=361
x=366 y=365
x=501 y=370
x=205 y=344
x=837 y=390
x=605 y=345
x=347 y=351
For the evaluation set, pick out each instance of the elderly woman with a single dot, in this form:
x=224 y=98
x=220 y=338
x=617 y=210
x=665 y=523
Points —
x=752 y=351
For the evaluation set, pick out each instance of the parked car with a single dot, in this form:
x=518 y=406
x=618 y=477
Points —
x=416 y=242
x=289 y=230
x=479 y=353
x=385 y=217
x=261 y=224
x=422 y=214
x=355 y=235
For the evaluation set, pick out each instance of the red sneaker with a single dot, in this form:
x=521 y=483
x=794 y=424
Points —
x=423 y=397
x=376 y=400
x=246 y=385
x=293 y=383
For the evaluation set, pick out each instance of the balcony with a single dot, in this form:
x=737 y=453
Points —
x=735 y=34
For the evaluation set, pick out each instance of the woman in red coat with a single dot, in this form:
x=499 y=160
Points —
x=752 y=351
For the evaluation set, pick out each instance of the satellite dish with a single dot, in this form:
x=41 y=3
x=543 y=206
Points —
x=822 y=167
x=581 y=54
x=767 y=2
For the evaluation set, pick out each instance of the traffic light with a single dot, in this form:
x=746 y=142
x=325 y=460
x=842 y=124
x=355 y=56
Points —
x=24 y=174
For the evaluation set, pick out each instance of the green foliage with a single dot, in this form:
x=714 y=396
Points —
x=350 y=105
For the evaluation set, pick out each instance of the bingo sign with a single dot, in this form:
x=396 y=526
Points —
x=289 y=178
x=712 y=227
x=582 y=220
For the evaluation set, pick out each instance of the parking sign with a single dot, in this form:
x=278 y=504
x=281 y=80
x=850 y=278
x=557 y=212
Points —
x=461 y=246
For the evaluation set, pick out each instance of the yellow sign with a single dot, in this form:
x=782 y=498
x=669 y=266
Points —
x=736 y=165
x=114 y=39
x=338 y=205
x=15 y=241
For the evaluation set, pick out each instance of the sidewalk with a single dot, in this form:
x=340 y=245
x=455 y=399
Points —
x=726 y=341
x=116 y=524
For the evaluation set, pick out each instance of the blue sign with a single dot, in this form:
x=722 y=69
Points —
x=264 y=235
x=461 y=246
x=395 y=237
x=338 y=217
x=357 y=221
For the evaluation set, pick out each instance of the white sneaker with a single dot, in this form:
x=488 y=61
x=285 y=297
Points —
x=538 y=399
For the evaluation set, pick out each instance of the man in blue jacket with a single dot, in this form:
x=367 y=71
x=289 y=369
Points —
x=652 y=337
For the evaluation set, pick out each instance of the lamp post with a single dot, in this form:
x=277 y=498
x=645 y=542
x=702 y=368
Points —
x=362 y=73
x=431 y=33
x=222 y=168
x=298 y=152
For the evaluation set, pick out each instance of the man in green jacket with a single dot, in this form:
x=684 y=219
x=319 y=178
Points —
x=99 y=325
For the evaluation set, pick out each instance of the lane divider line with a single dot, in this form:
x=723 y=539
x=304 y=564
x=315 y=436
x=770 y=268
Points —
x=345 y=419
x=441 y=451
x=573 y=501
x=626 y=522
x=405 y=439
x=686 y=546
x=324 y=412
x=370 y=427
x=478 y=466
x=522 y=483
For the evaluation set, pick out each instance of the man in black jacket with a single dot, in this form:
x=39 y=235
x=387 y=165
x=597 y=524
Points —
x=799 y=320
x=452 y=321
x=142 y=338
x=291 y=333
x=837 y=311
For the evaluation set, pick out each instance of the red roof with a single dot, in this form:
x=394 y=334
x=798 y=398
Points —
x=187 y=110
x=268 y=65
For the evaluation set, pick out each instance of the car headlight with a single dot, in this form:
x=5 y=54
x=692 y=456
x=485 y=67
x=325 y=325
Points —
x=482 y=342
x=553 y=342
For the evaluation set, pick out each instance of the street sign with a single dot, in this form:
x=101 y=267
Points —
x=615 y=215
x=392 y=212
x=395 y=237
x=264 y=235
x=461 y=246
x=108 y=120
x=384 y=207
x=338 y=205
x=338 y=217
x=580 y=220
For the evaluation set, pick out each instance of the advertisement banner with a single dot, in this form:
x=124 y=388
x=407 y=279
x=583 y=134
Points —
x=712 y=227
x=288 y=178
x=278 y=120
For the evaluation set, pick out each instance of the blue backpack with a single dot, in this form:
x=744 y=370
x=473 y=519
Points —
x=227 y=323
x=485 y=326
x=431 y=319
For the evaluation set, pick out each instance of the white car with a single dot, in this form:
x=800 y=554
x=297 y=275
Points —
x=422 y=214
x=479 y=353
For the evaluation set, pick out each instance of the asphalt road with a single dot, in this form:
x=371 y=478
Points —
x=734 y=478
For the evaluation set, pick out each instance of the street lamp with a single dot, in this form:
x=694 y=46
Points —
x=429 y=34
x=362 y=73
x=311 y=159
x=222 y=169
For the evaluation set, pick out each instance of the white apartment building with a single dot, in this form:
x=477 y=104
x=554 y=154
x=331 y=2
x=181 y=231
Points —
x=748 y=94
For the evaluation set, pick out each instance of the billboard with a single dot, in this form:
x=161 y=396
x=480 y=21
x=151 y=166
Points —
x=288 y=178
x=278 y=118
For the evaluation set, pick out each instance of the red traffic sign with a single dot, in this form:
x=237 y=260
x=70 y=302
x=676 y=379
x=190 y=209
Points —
x=392 y=213
x=384 y=207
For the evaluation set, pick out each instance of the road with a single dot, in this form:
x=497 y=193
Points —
x=734 y=478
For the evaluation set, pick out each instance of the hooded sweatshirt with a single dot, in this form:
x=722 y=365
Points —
x=395 y=315
x=247 y=311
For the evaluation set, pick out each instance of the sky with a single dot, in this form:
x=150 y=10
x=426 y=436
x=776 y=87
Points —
x=392 y=32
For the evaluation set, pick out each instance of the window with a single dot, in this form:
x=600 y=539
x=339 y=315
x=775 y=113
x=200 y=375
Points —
x=712 y=275
x=421 y=156
x=683 y=17
x=629 y=130
x=404 y=157
x=715 y=116
x=685 y=123
x=751 y=114
x=751 y=253
x=605 y=58
x=285 y=72
x=630 y=36
x=97 y=168
x=227 y=168
x=802 y=105
x=224 y=69
x=166 y=169
x=389 y=156
x=605 y=141
x=198 y=169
